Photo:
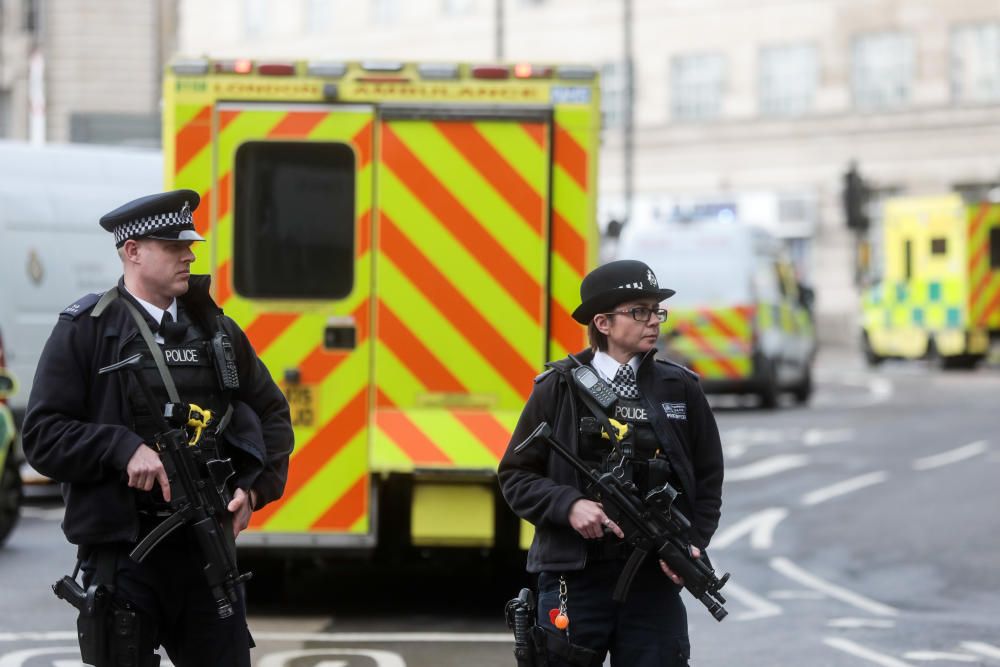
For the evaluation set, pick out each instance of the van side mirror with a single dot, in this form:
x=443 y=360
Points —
x=807 y=296
x=8 y=385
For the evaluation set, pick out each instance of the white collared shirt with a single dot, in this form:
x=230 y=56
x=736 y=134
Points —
x=607 y=366
x=157 y=313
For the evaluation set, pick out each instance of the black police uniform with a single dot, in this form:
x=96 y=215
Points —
x=675 y=439
x=82 y=428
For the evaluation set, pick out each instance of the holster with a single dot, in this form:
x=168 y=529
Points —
x=549 y=644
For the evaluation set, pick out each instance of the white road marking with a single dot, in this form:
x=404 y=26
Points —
x=384 y=637
x=380 y=658
x=766 y=467
x=952 y=456
x=982 y=648
x=859 y=651
x=795 y=595
x=883 y=623
x=927 y=656
x=332 y=663
x=759 y=607
x=19 y=658
x=842 y=488
x=759 y=525
x=53 y=636
x=794 y=572
x=50 y=514
x=816 y=437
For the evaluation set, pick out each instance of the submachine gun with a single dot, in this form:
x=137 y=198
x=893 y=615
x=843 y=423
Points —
x=198 y=491
x=650 y=524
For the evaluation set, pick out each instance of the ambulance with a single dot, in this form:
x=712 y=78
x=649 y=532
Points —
x=403 y=244
x=10 y=477
x=934 y=287
x=740 y=318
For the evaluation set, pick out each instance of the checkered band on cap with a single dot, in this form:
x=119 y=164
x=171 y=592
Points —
x=140 y=227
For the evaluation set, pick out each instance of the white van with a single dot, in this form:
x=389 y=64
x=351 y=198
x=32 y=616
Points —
x=52 y=250
x=740 y=319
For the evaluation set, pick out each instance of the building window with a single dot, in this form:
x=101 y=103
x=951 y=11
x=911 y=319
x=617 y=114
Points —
x=385 y=12
x=614 y=94
x=788 y=76
x=318 y=15
x=458 y=7
x=294 y=220
x=697 y=82
x=939 y=246
x=254 y=17
x=975 y=63
x=881 y=70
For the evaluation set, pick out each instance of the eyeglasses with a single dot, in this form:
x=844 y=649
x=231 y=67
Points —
x=642 y=313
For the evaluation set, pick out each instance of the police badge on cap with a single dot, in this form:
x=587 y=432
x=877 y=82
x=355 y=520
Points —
x=617 y=282
x=166 y=216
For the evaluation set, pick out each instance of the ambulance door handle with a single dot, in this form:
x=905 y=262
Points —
x=340 y=333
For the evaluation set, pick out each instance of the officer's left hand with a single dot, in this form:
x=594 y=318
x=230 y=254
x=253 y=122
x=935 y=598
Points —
x=240 y=507
x=674 y=577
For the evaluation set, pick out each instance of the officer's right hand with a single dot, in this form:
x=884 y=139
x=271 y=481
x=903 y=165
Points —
x=588 y=519
x=145 y=468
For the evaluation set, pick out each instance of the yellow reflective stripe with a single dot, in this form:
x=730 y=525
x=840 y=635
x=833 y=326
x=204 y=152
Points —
x=520 y=151
x=462 y=447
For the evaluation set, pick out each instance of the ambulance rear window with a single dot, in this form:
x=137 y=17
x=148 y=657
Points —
x=995 y=248
x=294 y=220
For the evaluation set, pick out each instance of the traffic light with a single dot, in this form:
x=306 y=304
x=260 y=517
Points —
x=855 y=198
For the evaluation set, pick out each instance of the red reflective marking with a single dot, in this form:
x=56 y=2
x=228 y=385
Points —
x=223 y=288
x=192 y=138
x=362 y=141
x=728 y=368
x=348 y=509
x=571 y=157
x=536 y=131
x=297 y=124
x=487 y=430
x=462 y=225
x=567 y=332
x=720 y=324
x=414 y=354
x=312 y=455
x=464 y=317
x=409 y=438
x=977 y=221
x=364 y=227
x=492 y=166
x=266 y=328
x=568 y=242
x=991 y=310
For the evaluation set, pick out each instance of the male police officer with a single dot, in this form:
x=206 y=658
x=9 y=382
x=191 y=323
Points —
x=95 y=434
x=577 y=550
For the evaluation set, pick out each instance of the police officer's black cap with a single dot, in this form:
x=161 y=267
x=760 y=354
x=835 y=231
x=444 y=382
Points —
x=614 y=283
x=167 y=216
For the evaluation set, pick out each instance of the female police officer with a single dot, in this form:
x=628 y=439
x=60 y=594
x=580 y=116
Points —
x=577 y=550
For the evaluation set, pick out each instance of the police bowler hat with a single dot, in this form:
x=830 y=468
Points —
x=166 y=216
x=617 y=282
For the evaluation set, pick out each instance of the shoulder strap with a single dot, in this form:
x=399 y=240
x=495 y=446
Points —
x=104 y=302
x=154 y=349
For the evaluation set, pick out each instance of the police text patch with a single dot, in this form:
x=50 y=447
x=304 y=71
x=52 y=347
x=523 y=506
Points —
x=675 y=410
x=183 y=356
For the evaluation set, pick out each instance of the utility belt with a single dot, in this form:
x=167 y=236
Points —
x=607 y=549
x=534 y=645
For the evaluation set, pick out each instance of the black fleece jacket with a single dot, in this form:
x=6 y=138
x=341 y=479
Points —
x=75 y=432
x=541 y=488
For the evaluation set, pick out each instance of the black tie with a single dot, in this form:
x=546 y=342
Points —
x=166 y=320
x=172 y=332
x=624 y=382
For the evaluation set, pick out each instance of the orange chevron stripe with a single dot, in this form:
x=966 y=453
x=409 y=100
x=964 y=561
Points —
x=981 y=288
x=203 y=214
x=487 y=429
x=690 y=331
x=492 y=166
x=566 y=240
x=362 y=141
x=223 y=288
x=192 y=138
x=319 y=363
x=536 y=131
x=721 y=325
x=310 y=456
x=993 y=307
x=348 y=509
x=564 y=328
x=414 y=354
x=462 y=224
x=571 y=157
x=364 y=228
x=266 y=328
x=468 y=321
x=977 y=221
x=407 y=435
x=297 y=124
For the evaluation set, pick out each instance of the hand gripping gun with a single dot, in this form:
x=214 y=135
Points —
x=198 y=492
x=650 y=524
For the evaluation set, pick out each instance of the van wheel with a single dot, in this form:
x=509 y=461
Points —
x=10 y=497
x=871 y=358
x=804 y=389
x=768 y=392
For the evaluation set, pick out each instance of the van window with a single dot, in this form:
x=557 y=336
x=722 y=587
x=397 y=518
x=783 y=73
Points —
x=995 y=248
x=294 y=220
x=939 y=246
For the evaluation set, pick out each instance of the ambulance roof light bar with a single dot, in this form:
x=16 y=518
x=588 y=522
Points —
x=381 y=66
x=438 y=71
x=189 y=66
x=326 y=69
x=284 y=68
x=529 y=71
x=239 y=66
x=576 y=72
x=490 y=72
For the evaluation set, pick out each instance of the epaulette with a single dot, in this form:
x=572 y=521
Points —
x=544 y=374
x=687 y=370
x=82 y=305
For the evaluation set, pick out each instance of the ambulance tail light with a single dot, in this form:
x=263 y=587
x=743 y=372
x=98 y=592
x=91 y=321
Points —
x=490 y=72
x=276 y=69
x=241 y=66
x=189 y=67
x=529 y=71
